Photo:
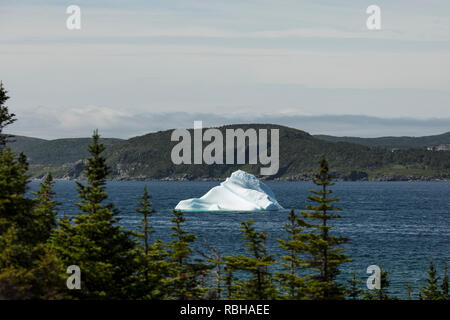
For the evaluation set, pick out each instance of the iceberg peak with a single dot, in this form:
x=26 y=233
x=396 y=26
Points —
x=242 y=191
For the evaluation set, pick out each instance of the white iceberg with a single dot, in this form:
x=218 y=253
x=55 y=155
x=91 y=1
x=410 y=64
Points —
x=240 y=192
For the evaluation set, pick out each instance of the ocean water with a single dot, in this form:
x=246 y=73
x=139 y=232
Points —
x=396 y=225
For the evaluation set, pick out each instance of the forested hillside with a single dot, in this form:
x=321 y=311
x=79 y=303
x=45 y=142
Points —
x=55 y=152
x=148 y=157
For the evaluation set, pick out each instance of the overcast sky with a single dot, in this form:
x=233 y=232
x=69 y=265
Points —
x=140 y=66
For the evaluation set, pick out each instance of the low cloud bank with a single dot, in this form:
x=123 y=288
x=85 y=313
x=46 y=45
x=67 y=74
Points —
x=80 y=122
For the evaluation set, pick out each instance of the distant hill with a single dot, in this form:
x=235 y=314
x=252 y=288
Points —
x=149 y=157
x=55 y=152
x=393 y=142
x=21 y=143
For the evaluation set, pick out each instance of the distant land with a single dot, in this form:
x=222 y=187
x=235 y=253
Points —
x=58 y=151
x=393 y=142
x=147 y=157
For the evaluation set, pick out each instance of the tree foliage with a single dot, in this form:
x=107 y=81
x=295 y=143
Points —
x=293 y=284
x=444 y=284
x=28 y=269
x=383 y=292
x=260 y=285
x=6 y=118
x=323 y=252
x=353 y=290
x=93 y=240
x=186 y=272
x=431 y=290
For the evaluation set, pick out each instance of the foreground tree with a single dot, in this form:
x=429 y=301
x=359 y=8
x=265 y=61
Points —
x=293 y=285
x=145 y=208
x=444 y=285
x=353 y=291
x=186 y=272
x=431 y=290
x=409 y=288
x=104 y=252
x=44 y=210
x=15 y=208
x=260 y=286
x=382 y=293
x=28 y=270
x=6 y=118
x=215 y=259
x=152 y=267
x=323 y=252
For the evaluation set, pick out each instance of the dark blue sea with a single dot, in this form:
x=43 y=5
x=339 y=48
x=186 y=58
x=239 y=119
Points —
x=396 y=225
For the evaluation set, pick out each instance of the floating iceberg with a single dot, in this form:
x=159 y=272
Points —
x=240 y=192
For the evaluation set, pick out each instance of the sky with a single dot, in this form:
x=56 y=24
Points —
x=140 y=66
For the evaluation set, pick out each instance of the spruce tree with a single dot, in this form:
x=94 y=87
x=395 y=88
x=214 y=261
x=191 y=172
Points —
x=353 y=291
x=15 y=208
x=186 y=272
x=409 y=290
x=228 y=281
x=6 y=118
x=145 y=208
x=44 y=209
x=214 y=257
x=153 y=269
x=444 y=285
x=431 y=290
x=382 y=293
x=260 y=286
x=28 y=270
x=323 y=252
x=94 y=241
x=292 y=283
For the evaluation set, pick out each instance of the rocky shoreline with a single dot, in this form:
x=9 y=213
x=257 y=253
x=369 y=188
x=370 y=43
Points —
x=354 y=176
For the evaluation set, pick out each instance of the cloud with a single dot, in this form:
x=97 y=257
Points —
x=212 y=19
x=80 y=122
x=147 y=60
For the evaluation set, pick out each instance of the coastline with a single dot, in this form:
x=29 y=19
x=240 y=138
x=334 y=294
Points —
x=386 y=178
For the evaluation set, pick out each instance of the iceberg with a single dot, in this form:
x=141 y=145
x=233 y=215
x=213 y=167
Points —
x=240 y=192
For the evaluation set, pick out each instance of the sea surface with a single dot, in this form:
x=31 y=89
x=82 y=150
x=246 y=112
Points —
x=396 y=225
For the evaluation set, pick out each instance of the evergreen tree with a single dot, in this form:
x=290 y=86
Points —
x=431 y=290
x=228 y=281
x=27 y=269
x=105 y=253
x=44 y=210
x=186 y=272
x=15 y=208
x=216 y=276
x=6 y=118
x=323 y=254
x=29 y=272
x=353 y=292
x=292 y=284
x=145 y=208
x=153 y=269
x=382 y=293
x=260 y=285
x=444 y=285
x=409 y=290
